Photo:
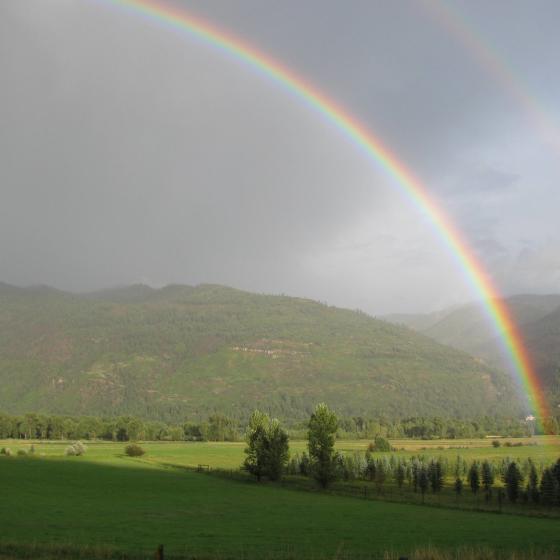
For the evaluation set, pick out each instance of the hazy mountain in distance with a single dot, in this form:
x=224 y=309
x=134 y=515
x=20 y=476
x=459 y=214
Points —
x=468 y=328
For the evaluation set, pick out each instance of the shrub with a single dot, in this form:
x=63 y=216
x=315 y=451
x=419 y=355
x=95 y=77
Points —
x=496 y=443
x=80 y=448
x=134 y=450
x=6 y=451
x=381 y=444
x=22 y=452
x=76 y=449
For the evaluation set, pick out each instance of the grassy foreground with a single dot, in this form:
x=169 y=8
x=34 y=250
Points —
x=106 y=499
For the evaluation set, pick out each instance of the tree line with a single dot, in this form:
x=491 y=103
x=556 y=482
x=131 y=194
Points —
x=267 y=455
x=122 y=428
x=220 y=427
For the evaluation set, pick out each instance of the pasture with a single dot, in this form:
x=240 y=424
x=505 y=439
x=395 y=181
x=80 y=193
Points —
x=229 y=455
x=107 y=499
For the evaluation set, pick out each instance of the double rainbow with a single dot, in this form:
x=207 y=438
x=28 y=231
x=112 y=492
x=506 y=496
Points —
x=496 y=68
x=411 y=187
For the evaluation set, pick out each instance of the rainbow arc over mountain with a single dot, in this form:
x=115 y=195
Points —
x=498 y=313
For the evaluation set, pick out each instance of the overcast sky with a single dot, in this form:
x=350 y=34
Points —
x=132 y=153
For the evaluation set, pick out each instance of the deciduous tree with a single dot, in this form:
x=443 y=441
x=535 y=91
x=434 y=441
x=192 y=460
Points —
x=322 y=429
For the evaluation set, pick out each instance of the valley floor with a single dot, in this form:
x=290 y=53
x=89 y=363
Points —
x=109 y=500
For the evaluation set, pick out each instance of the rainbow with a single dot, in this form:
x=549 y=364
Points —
x=410 y=186
x=488 y=58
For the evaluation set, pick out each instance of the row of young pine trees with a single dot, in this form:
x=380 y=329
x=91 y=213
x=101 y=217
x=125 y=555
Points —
x=267 y=455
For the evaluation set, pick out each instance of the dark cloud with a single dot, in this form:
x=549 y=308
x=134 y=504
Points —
x=130 y=152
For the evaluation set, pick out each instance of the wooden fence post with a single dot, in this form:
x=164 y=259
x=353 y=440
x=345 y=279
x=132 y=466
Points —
x=159 y=552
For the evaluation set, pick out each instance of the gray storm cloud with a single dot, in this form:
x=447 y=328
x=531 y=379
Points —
x=132 y=153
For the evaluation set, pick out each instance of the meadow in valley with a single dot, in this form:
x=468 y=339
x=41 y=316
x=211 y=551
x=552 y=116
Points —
x=193 y=498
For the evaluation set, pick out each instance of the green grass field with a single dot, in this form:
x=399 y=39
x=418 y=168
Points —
x=106 y=498
x=230 y=455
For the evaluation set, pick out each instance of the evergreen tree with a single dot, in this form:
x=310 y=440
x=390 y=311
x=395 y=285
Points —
x=501 y=496
x=458 y=468
x=415 y=471
x=380 y=475
x=474 y=478
x=322 y=429
x=513 y=479
x=423 y=480
x=458 y=486
x=400 y=475
x=556 y=471
x=435 y=474
x=533 y=484
x=370 y=467
x=549 y=488
x=487 y=479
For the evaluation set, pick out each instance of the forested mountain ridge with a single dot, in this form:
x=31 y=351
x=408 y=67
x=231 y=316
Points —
x=467 y=328
x=187 y=351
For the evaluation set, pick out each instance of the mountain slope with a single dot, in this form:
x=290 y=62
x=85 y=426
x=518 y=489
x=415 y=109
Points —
x=467 y=328
x=186 y=350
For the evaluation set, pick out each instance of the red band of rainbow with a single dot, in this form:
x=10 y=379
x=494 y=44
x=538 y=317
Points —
x=494 y=305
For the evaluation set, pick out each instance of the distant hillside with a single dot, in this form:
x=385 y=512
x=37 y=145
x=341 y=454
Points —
x=187 y=351
x=467 y=328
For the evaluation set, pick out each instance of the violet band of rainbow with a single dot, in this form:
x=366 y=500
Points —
x=473 y=271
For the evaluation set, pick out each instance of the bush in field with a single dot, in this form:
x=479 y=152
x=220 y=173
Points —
x=134 y=450
x=381 y=444
x=22 y=452
x=76 y=449
x=496 y=443
x=80 y=448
